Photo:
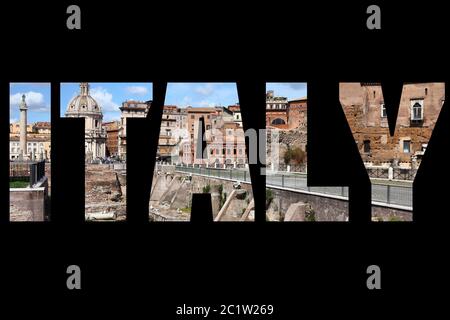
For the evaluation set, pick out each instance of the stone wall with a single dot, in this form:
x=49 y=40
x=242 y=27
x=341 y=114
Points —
x=29 y=204
x=297 y=115
x=362 y=107
x=105 y=191
x=171 y=195
x=289 y=138
x=327 y=208
x=380 y=213
x=324 y=208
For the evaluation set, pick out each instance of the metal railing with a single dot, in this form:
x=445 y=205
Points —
x=404 y=174
x=392 y=194
x=397 y=173
x=232 y=174
x=389 y=194
x=33 y=170
x=298 y=181
x=379 y=173
x=291 y=168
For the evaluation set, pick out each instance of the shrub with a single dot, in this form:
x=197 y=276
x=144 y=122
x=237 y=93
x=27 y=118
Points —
x=294 y=156
x=269 y=197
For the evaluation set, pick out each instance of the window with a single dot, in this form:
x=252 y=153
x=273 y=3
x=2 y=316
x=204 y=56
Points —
x=207 y=117
x=234 y=151
x=383 y=111
x=223 y=151
x=240 y=151
x=228 y=151
x=237 y=117
x=278 y=121
x=416 y=110
x=192 y=117
x=366 y=146
x=406 y=146
x=212 y=151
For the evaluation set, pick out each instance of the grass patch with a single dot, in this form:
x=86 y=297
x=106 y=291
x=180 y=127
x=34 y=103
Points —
x=186 y=210
x=19 y=184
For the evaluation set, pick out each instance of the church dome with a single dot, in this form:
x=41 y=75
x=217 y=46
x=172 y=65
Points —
x=83 y=103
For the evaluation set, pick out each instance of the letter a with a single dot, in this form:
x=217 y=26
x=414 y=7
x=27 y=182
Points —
x=74 y=20
x=374 y=281
x=374 y=20
x=74 y=280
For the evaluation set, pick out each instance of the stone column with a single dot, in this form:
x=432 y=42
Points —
x=23 y=128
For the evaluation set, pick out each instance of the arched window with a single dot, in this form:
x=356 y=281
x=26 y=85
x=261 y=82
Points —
x=278 y=121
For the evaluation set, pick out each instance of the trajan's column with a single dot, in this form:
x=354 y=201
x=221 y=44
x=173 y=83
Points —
x=23 y=129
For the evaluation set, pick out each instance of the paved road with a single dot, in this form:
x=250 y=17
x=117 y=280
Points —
x=384 y=193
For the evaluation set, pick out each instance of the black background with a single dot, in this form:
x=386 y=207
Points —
x=137 y=268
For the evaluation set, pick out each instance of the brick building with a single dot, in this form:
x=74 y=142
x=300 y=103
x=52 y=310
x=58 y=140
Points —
x=285 y=114
x=297 y=113
x=276 y=111
x=193 y=117
x=365 y=111
x=112 y=138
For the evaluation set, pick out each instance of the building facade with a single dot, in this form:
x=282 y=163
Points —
x=112 y=138
x=130 y=109
x=84 y=106
x=298 y=114
x=38 y=141
x=276 y=111
x=285 y=114
x=225 y=139
x=364 y=108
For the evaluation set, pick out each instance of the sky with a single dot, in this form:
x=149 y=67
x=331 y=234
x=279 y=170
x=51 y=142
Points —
x=108 y=95
x=37 y=97
x=201 y=94
x=292 y=90
x=111 y=95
